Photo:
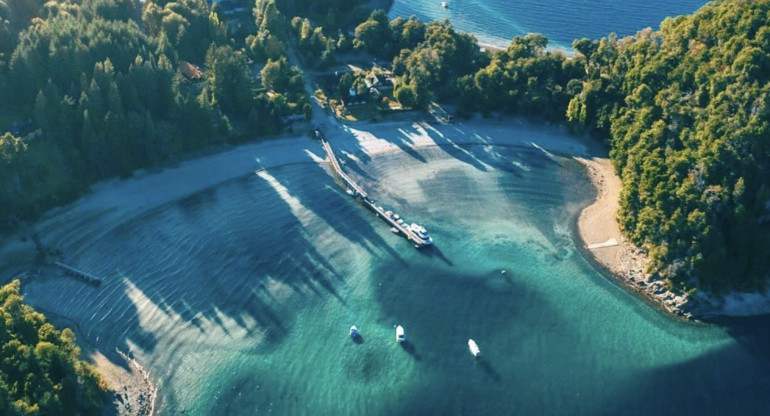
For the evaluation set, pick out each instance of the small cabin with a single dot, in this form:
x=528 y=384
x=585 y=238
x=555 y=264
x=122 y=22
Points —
x=191 y=72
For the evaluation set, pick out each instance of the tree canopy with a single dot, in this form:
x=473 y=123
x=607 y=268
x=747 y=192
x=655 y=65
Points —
x=686 y=115
x=40 y=371
x=100 y=83
x=684 y=111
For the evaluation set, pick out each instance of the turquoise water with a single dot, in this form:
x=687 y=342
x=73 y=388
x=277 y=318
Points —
x=496 y=22
x=238 y=299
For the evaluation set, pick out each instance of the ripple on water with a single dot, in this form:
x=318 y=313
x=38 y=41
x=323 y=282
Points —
x=239 y=299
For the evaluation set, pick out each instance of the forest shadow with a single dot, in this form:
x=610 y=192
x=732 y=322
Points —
x=197 y=232
x=439 y=312
x=348 y=217
x=732 y=380
x=749 y=333
x=443 y=141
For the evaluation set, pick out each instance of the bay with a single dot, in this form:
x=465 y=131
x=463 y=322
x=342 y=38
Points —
x=238 y=298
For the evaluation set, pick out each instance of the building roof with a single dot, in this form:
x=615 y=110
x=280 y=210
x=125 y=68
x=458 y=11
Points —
x=190 y=71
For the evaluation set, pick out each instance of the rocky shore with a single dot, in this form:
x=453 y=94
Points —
x=135 y=392
x=598 y=227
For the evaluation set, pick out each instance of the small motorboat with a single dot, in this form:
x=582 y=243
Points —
x=353 y=331
x=394 y=230
x=351 y=192
x=474 y=348
x=444 y=5
x=400 y=337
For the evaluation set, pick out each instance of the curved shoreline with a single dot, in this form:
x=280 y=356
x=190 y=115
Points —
x=133 y=390
x=600 y=233
x=116 y=200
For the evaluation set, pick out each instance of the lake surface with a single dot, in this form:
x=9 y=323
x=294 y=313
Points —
x=238 y=299
x=496 y=22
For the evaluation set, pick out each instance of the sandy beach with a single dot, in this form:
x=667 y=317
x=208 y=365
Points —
x=600 y=232
x=599 y=229
x=112 y=203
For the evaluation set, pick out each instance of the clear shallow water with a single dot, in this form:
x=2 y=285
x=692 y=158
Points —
x=496 y=22
x=238 y=299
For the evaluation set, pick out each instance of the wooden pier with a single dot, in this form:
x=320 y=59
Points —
x=342 y=176
x=89 y=278
x=358 y=192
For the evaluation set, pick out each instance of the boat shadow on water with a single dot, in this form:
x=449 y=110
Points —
x=487 y=367
x=433 y=251
x=410 y=349
x=358 y=339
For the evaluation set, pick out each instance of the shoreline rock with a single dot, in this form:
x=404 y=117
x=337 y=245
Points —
x=599 y=229
x=137 y=397
x=597 y=225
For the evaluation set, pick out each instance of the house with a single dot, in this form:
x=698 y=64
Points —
x=190 y=71
x=371 y=80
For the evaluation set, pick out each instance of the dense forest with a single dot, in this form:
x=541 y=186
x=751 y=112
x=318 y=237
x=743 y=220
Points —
x=99 y=82
x=41 y=373
x=683 y=110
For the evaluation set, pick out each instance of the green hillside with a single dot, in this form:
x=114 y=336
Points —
x=40 y=373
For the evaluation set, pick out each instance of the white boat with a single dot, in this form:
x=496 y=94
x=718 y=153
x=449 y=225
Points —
x=394 y=230
x=353 y=331
x=444 y=5
x=400 y=337
x=474 y=348
x=351 y=192
x=421 y=233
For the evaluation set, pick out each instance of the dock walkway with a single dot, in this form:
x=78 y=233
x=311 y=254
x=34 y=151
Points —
x=360 y=193
x=78 y=273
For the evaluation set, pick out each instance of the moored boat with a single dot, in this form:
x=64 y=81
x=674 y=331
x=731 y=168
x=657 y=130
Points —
x=474 y=348
x=400 y=336
x=353 y=331
x=421 y=233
